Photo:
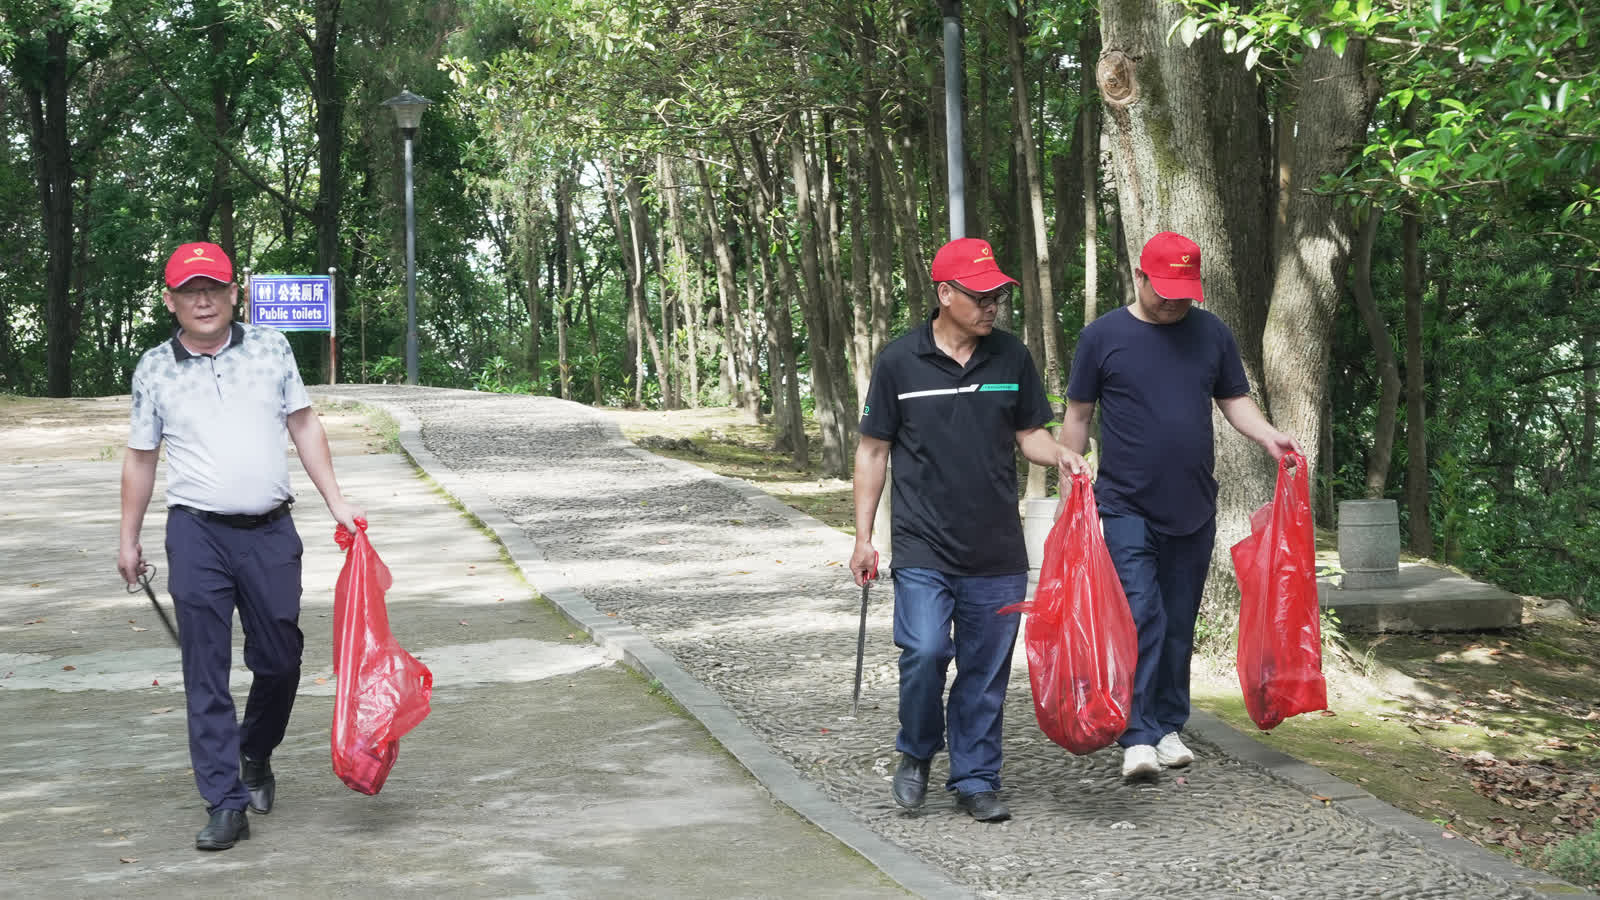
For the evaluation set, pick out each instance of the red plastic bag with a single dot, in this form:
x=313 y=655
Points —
x=1280 y=625
x=1081 y=642
x=382 y=691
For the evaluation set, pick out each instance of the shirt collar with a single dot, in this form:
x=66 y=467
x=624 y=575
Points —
x=927 y=347
x=181 y=353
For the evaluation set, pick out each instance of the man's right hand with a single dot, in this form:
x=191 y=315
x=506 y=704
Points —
x=864 y=563
x=130 y=562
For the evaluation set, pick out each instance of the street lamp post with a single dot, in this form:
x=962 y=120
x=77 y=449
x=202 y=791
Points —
x=954 y=83
x=408 y=109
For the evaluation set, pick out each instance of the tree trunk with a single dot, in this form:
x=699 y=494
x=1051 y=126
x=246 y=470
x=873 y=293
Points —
x=1313 y=257
x=633 y=350
x=1420 y=526
x=1188 y=146
x=680 y=268
x=1382 y=354
x=1050 y=366
x=833 y=411
x=748 y=395
x=639 y=228
x=328 y=93
x=567 y=248
x=52 y=163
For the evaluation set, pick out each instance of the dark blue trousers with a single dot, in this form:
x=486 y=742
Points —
x=1163 y=576
x=213 y=569
x=926 y=604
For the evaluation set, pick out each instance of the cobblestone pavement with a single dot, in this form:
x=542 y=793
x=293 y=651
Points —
x=760 y=608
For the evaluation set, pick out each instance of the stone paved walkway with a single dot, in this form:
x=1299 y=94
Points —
x=756 y=603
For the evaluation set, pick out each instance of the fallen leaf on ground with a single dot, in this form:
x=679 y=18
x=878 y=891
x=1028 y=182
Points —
x=157 y=712
x=322 y=681
x=155 y=682
x=128 y=859
x=69 y=668
x=137 y=628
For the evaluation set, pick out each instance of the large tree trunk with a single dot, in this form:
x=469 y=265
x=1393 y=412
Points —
x=52 y=163
x=1188 y=144
x=1382 y=354
x=1329 y=129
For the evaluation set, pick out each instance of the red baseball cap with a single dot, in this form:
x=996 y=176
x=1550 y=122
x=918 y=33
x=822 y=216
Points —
x=970 y=263
x=1173 y=263
x=198 y=260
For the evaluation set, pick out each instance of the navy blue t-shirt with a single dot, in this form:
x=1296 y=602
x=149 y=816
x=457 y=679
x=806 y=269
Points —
x=954 y=435
x=1155 y=385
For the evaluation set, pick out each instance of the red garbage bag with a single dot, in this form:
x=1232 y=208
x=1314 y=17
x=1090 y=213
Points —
x=382 y=691
x=1080 y=638
x=1280 y=625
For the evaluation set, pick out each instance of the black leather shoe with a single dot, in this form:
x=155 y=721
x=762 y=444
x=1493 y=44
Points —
x=911 y=781
x=226 y=827
x=985 y=806
x=257 y=777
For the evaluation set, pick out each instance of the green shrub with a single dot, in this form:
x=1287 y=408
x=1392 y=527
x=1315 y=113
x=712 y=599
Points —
x=1577 y=859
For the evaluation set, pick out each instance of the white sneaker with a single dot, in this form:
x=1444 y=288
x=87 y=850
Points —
x=1171 y=752
x=1139 y=761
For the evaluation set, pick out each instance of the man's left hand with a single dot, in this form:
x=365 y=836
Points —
x=346 y=513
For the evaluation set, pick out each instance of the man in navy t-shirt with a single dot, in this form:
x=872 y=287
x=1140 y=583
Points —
x=1155 y=368
x=951 y=401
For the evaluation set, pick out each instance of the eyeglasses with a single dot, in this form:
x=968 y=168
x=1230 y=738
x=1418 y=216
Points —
x=984 y=301
x=196 y=294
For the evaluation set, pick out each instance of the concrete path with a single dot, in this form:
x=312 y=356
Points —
x=546 y=769
x=744 y=611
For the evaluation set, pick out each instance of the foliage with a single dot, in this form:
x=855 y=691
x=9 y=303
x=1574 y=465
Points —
x=1577 y=859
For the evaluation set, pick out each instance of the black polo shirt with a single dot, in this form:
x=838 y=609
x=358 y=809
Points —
x=954 y=430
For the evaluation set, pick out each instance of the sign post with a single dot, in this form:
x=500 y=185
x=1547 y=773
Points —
x=295 y=303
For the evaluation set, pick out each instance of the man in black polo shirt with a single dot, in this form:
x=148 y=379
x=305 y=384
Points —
x=222 y=396
x=950 y=402
x=1155 y=367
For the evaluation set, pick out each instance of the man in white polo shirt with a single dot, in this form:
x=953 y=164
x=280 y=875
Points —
x=223 y=397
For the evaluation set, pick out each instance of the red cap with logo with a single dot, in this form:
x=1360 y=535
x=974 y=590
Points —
x=970 y=263
x=199 y=260
x=1173 y=263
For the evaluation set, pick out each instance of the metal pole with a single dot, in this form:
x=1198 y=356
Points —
x=333 y=325
x=953 y=85
x=411 y=270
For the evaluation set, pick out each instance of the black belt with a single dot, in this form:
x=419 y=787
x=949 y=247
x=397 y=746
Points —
x=238 y=521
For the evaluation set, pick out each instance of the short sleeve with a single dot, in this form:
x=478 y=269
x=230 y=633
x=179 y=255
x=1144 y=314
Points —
x=1083 y=384
x=880 y=417
x=144 y=430
x=292 y=388
x=1033 y=404
x=1231 y=380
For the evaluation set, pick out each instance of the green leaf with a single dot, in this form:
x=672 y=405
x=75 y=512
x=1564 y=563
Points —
x=1337 y=42
x=1561 y=96
x=1190 y=29
x=1250 y=57
x=1314 y=38
x=1436 y=12
x=1513 y=6
x=1230 y=41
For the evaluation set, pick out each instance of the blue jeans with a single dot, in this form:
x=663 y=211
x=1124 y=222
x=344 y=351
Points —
x=926 y=604
x=1163 y=576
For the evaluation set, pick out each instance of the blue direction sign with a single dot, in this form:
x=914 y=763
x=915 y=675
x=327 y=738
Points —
x=292 y=302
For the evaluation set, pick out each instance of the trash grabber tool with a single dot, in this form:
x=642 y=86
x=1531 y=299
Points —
x=861 y=635
x=144 y=580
